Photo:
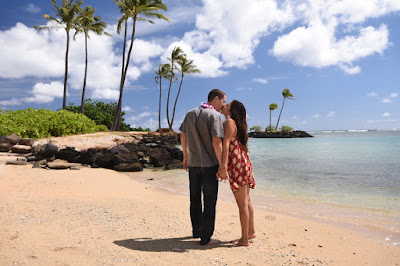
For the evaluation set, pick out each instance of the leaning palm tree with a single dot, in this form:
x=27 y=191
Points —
x=133 y=9
x=89 y=23
x=176 y=54
x=67 y=18
x=272 y=106
x=286 y=94
x=186 y=67
x=164 y=71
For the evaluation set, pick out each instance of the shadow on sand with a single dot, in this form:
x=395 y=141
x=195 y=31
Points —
x=179 y=244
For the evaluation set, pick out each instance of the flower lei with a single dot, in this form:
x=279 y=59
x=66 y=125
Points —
x=207 y=105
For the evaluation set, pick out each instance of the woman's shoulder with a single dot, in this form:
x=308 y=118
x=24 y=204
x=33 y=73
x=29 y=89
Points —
x=230 y=122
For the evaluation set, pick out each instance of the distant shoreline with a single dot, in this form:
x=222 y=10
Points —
x=280 y=134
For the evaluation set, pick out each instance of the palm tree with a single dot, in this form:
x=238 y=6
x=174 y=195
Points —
x=176 y=54
x=67 y=18
x=89 y=23
x=186 y=67
x=133 y=9
x=164 y=71
x=286 y=94
x=272 y=106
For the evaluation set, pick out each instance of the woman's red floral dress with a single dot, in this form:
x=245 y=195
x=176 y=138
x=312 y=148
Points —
x=240 y=169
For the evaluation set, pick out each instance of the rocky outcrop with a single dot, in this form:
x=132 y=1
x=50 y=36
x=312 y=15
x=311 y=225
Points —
x=280 y=134
x=152 y=151
x=13 y=143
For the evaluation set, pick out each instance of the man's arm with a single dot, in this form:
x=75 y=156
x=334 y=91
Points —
x=185 y=153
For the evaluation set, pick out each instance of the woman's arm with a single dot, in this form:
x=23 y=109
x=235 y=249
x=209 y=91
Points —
x=184 y=150
x=229 y=132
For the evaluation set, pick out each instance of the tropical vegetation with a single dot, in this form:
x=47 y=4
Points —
x=101 y=113
x=272 y=106
x=164 y=71
x=286 y=95
x=137 y=10
x=89 y=23
x=286 y=129
x=185 y=66
x=256 y=128
x=67 y=17
x=42 y=123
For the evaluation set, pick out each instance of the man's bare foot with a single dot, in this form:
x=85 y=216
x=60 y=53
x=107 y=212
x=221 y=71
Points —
x=251 y=236
x=213 y=242
x=240 y=242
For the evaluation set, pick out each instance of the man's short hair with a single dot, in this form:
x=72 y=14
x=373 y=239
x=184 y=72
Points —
x=215 y=92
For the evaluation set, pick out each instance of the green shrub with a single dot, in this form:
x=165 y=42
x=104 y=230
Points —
x=42 y=123
x=256 y=128
x=286 y=129
x=101 y=113
x=140 y=129
x=270 y=128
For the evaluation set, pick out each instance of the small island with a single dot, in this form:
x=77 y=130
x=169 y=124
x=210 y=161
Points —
x=279 y=134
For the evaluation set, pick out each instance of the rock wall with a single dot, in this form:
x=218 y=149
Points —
x=280 y=134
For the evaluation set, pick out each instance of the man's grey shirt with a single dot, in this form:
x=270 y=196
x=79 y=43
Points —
x=200 y=126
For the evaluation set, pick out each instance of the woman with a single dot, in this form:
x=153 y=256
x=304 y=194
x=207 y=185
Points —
x=237 y=167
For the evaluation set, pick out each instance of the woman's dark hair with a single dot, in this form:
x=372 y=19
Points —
x=238 y=114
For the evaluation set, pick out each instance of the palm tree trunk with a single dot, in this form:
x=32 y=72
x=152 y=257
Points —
x=283 y=104
x=159 y=108
x=85 y=76
x=66 y=73
x=176 y=100
x=118 y=122
x=169 y=92
x=115 y=121
x=270 y=125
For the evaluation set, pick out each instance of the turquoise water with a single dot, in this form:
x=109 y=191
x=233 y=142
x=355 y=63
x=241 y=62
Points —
x=352 y=168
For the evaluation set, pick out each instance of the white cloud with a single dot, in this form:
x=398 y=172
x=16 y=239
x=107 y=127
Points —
x=319 y=42
x=141 y=116
x=386 y=114
x=105 y=94
x=372 y=94
x=260 y=80
x=46 y=92
x=316 y=116
x=236 y=31
x=244 y=89
x=318 y=46
x=11 y=102
x=209 y=65
x=349 y=69
x=27 y=52
x=386 y=100
x=126 y=109
x=31 y=8
x=331 y=114
x=394 y=95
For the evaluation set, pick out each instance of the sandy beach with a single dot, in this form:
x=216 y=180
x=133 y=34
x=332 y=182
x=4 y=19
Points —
x=102 y=217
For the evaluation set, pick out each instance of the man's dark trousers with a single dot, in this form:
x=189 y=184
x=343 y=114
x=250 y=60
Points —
x=203 y=179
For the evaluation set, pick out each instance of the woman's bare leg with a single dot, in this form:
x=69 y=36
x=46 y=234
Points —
x=242 y=200
x=252 y=232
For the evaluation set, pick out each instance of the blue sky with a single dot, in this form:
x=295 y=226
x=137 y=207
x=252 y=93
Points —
x=340 y=59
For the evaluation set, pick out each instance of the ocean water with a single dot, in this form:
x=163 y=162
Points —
x=351 y=178
x=351 y=168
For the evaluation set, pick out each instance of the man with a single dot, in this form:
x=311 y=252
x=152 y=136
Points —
x=201 y=139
